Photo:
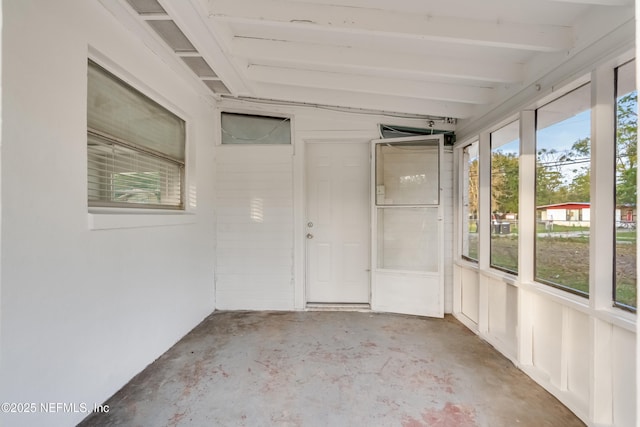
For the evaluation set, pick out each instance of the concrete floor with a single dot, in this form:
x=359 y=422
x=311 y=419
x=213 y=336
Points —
x=332 y=369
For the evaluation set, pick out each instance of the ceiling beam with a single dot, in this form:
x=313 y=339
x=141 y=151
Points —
x=371 y=62
x=191 y=17
x=382 y=103
x=542 y=38
x=370 y=84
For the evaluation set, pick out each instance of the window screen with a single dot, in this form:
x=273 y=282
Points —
x=625 y=289
x=505 y=153
x=563 y=188
x=407 y=173
x=135 y=147
x=249 y=129
x=470 y=198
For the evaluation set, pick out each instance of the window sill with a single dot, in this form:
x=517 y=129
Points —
x=613 y=315
x=467 y=263
x=560 y=296
x=618 y=317
x=108 y=219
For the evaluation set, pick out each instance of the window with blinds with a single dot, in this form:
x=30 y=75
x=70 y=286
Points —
x=135 y=147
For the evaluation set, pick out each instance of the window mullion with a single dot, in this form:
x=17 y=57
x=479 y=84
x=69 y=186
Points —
x=527 y=201
x=602 y=188
x=484 y=201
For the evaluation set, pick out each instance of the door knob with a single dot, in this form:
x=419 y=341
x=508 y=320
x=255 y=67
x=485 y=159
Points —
x=309 y=236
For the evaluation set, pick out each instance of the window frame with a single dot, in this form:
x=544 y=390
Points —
x=248 y=113
x=599 y=303
x=464 y=193
x=614 y=284
x=508 y=122
x=98 y=207
x=579 y=84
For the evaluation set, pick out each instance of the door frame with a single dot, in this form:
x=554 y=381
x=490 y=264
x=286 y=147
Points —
x=301 y=172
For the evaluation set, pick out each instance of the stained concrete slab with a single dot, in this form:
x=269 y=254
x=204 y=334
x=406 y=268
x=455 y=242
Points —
x=332 y=369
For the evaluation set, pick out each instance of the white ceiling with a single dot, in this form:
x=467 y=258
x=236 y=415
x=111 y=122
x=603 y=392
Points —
x=453 y=58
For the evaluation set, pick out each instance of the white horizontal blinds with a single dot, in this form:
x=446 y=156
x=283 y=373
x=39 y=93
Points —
x=119 y=110
x=135 y=147
x=119 y=175
x=249 y=129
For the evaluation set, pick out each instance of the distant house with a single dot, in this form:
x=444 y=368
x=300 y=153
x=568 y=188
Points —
x=571 y=213
x=626 y=216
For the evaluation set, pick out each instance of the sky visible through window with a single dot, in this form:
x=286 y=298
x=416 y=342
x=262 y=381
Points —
x=560 y=137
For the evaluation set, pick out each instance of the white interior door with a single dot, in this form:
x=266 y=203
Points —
x=338 y=223
x=408 y=226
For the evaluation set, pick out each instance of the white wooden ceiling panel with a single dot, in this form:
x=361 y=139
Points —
x=309 y=56
x=550 y=12
x=349 y=99
x=453 y=58
x=475 y=32
x=369 y=84
x=383 y=44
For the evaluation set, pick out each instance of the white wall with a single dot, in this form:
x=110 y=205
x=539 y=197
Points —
x=260 y=265
x=83 y=310
x=254 y=241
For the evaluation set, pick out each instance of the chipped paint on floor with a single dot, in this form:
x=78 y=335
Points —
x=332 y=368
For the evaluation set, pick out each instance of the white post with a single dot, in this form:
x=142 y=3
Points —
x=526 y=233
x=601 y=240
x=602 y=188
x=484 y=229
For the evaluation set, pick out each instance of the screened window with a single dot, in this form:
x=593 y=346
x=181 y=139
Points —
x=135 y=147
x=563 y=147
x=250 y=129
x=470 y=202
x=626 y=192
x=407 y=196
x=405 y=238
x=505 y=153
x=407 y=174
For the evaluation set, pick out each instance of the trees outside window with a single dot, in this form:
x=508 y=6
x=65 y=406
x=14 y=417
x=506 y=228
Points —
x=505 y=154
x=470 y=202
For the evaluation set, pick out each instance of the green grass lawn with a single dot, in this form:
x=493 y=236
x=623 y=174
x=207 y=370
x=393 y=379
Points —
x=565 y=261
x=504 y=252
x=541 y=228
x=626 y=236
x=557 y=228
